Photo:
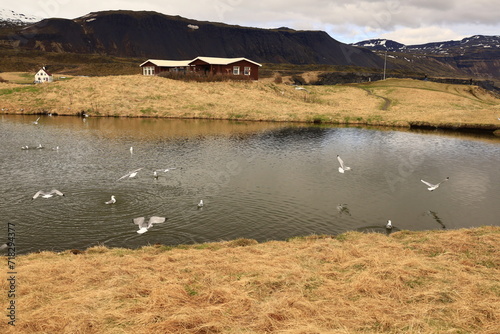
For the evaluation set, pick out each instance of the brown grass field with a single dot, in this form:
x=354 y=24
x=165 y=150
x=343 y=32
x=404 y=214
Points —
x=395 y=102
x=407 y=282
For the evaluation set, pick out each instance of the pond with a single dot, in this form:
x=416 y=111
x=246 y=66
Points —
x=264 y=181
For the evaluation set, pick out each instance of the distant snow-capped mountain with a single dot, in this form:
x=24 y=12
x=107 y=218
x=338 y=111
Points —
x=475 y=43
x=9 y=17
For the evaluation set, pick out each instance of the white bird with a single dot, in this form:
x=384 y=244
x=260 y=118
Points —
x=433 y=186
x=36 y=122
x=200 y=205
x=25 y=147
x=131 y=174
x=131 y=150
x=48 y=194
x=155 y=173
x=342 y=208
x=39 y=146
x=342 y=167
x=144 y=227
x=112 y=200
x=388 y=225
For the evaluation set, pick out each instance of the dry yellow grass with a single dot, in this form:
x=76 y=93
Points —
x=408 y=282
x=389 y=102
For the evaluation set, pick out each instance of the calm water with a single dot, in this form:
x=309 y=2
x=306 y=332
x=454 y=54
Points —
x=266 y=181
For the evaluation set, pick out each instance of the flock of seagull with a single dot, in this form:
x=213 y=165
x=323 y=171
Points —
x=145 y=226
x=342 y=208
x=140 y=221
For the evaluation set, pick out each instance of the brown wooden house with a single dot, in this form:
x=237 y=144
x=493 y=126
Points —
x=204 y=65
x=226 y=66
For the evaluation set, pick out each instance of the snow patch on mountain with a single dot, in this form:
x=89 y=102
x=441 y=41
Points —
x=8 y=16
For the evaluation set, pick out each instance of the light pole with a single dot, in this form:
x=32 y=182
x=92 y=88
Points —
x=385 y=62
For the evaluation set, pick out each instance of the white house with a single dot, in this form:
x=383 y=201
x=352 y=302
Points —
x=43 y=76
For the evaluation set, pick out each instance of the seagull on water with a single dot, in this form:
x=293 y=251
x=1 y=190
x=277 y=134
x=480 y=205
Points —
x=131 y=150
x=112 y=200
x=200 y=205
x=155 y=173
x=388 y=225
x=342 y=208
x=47 y=194
x=342 y=167
x=36 y=122
x=130 y=175
x=433 y=186
x=143 y=226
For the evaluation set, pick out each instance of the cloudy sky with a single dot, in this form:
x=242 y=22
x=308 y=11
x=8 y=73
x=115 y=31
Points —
x=349 y=21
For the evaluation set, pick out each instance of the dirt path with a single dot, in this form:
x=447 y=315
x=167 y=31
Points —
x=387 y=101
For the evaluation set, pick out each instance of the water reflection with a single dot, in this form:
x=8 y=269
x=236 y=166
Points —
x=257 y=180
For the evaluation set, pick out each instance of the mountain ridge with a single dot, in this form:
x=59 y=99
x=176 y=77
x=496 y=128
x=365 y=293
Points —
x=154 y=35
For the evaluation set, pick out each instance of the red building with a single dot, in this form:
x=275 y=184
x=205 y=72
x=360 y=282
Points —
x=227 y=66
x=206 y=65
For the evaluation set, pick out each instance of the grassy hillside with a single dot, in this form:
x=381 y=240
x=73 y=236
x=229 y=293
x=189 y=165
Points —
x=388 y=102
x=407 y=282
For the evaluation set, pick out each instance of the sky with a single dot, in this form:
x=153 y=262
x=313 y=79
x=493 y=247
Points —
x=348 y=21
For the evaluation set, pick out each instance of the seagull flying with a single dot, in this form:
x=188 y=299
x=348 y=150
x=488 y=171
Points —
x=433 y=186
x=112 y=200
x=143 y=226
x=388 y=225
x=131 y=174
x=342 y=168
x=48 y=194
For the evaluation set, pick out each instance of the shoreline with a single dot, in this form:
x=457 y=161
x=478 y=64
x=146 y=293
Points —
x=468 y=128
x=403 y=103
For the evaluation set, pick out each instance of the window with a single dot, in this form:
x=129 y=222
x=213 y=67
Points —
x=236 y=70
x=148 y=70
x=246 y=71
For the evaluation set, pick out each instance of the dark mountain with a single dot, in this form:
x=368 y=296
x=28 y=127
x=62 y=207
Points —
x=477 y=56
x=154 y=35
